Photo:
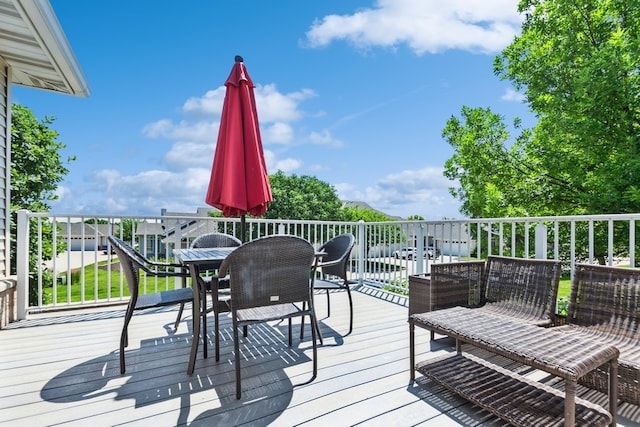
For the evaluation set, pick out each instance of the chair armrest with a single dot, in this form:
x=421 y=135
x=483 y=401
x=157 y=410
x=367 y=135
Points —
x=457 y=283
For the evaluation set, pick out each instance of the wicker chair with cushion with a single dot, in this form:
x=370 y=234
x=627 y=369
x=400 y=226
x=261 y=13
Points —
x=604 y=306
x=269 y=280
x=520 y=289
x=333 y=269
x=218 y=305
x=131 y=263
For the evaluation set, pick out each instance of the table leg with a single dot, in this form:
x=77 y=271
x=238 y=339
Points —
x=570 y=403
x=195 y=315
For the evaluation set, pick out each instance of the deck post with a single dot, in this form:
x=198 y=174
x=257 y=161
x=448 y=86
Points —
x=22 y=263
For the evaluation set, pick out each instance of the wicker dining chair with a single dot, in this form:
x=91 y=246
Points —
x=218 y=305
x=269 y=280
x=131 y=263
x=333 y=269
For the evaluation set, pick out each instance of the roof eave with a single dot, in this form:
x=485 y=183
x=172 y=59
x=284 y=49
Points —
x=46 y=29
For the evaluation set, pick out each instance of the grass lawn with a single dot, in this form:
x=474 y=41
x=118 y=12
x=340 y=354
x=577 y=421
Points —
x=101 y=284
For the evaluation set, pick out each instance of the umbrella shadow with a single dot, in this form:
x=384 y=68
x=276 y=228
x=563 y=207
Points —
x=266 y=386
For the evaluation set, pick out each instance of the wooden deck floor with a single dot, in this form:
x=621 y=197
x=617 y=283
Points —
x=62 y=369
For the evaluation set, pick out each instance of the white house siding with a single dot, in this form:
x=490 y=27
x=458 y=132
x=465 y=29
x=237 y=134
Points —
x=5 y=159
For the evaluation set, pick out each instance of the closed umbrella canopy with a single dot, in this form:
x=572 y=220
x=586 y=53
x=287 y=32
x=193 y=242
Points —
x=239 y=182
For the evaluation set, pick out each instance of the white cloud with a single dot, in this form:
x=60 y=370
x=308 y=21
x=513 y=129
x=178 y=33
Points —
x=512 y=95
x=420 y=192
x=274 y=106
x=189 y=154
x=203 y=131
x=423 y=25
x=277 y=133
x=145 y=192
x=288 y=165
x=324 y=137
x=210 y=103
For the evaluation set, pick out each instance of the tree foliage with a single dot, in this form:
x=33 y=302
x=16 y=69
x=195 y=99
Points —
x=303 y=197
x=37 y=167
x=576 y=62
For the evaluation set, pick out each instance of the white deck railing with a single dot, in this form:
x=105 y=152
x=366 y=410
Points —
x=76 y=273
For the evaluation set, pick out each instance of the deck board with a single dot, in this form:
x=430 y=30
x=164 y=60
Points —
x=62 y=369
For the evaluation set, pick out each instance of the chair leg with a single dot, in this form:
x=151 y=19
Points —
x=184 y=285
x=175 y=326
x=328 y=304
x=236 y=349
x=205 y=353
x=315 y=347
x=304 y=307
x=350 y=310
x=124 y=336
x=216 y=324
x=290 y=340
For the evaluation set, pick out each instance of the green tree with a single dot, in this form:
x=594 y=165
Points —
x=577 y=64
x=491 y=175
x=388 y=233
x=303 y=197
x=37 y=167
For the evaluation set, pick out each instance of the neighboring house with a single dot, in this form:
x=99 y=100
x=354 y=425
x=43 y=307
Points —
x=148 y=239
x=179 y=234
x=82 y=236
x=151 y=238
x=451 y=239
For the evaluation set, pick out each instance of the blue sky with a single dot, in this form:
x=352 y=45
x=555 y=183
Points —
x=355 y=93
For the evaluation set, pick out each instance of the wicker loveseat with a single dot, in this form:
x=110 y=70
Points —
x=605 y=306
x=521 y=289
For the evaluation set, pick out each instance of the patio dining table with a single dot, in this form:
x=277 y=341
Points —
x=194 y=259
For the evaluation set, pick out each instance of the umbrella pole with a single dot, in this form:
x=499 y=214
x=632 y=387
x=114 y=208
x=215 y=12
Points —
x=243 y=229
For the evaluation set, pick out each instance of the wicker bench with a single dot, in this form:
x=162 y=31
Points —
x=522 y=289
x=605 y=306
x=518 y=400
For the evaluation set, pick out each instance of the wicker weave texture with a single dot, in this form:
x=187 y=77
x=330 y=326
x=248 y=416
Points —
x=214 y=240
x=269 y=271
x=523 y=289
x=564 y=355
x=520 y=401
x=457 y=283
x=605 y=306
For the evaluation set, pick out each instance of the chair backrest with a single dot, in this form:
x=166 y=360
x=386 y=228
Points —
x=215 y=240
x=269 y=270
x=133 y=261
x=336 y=260
x=606 y=299
x=130 y=262
x=525 y=287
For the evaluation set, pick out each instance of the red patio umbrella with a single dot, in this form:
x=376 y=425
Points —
x=239 y=183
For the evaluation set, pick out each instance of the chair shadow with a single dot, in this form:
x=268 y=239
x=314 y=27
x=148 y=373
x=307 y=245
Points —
x=266 y=386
